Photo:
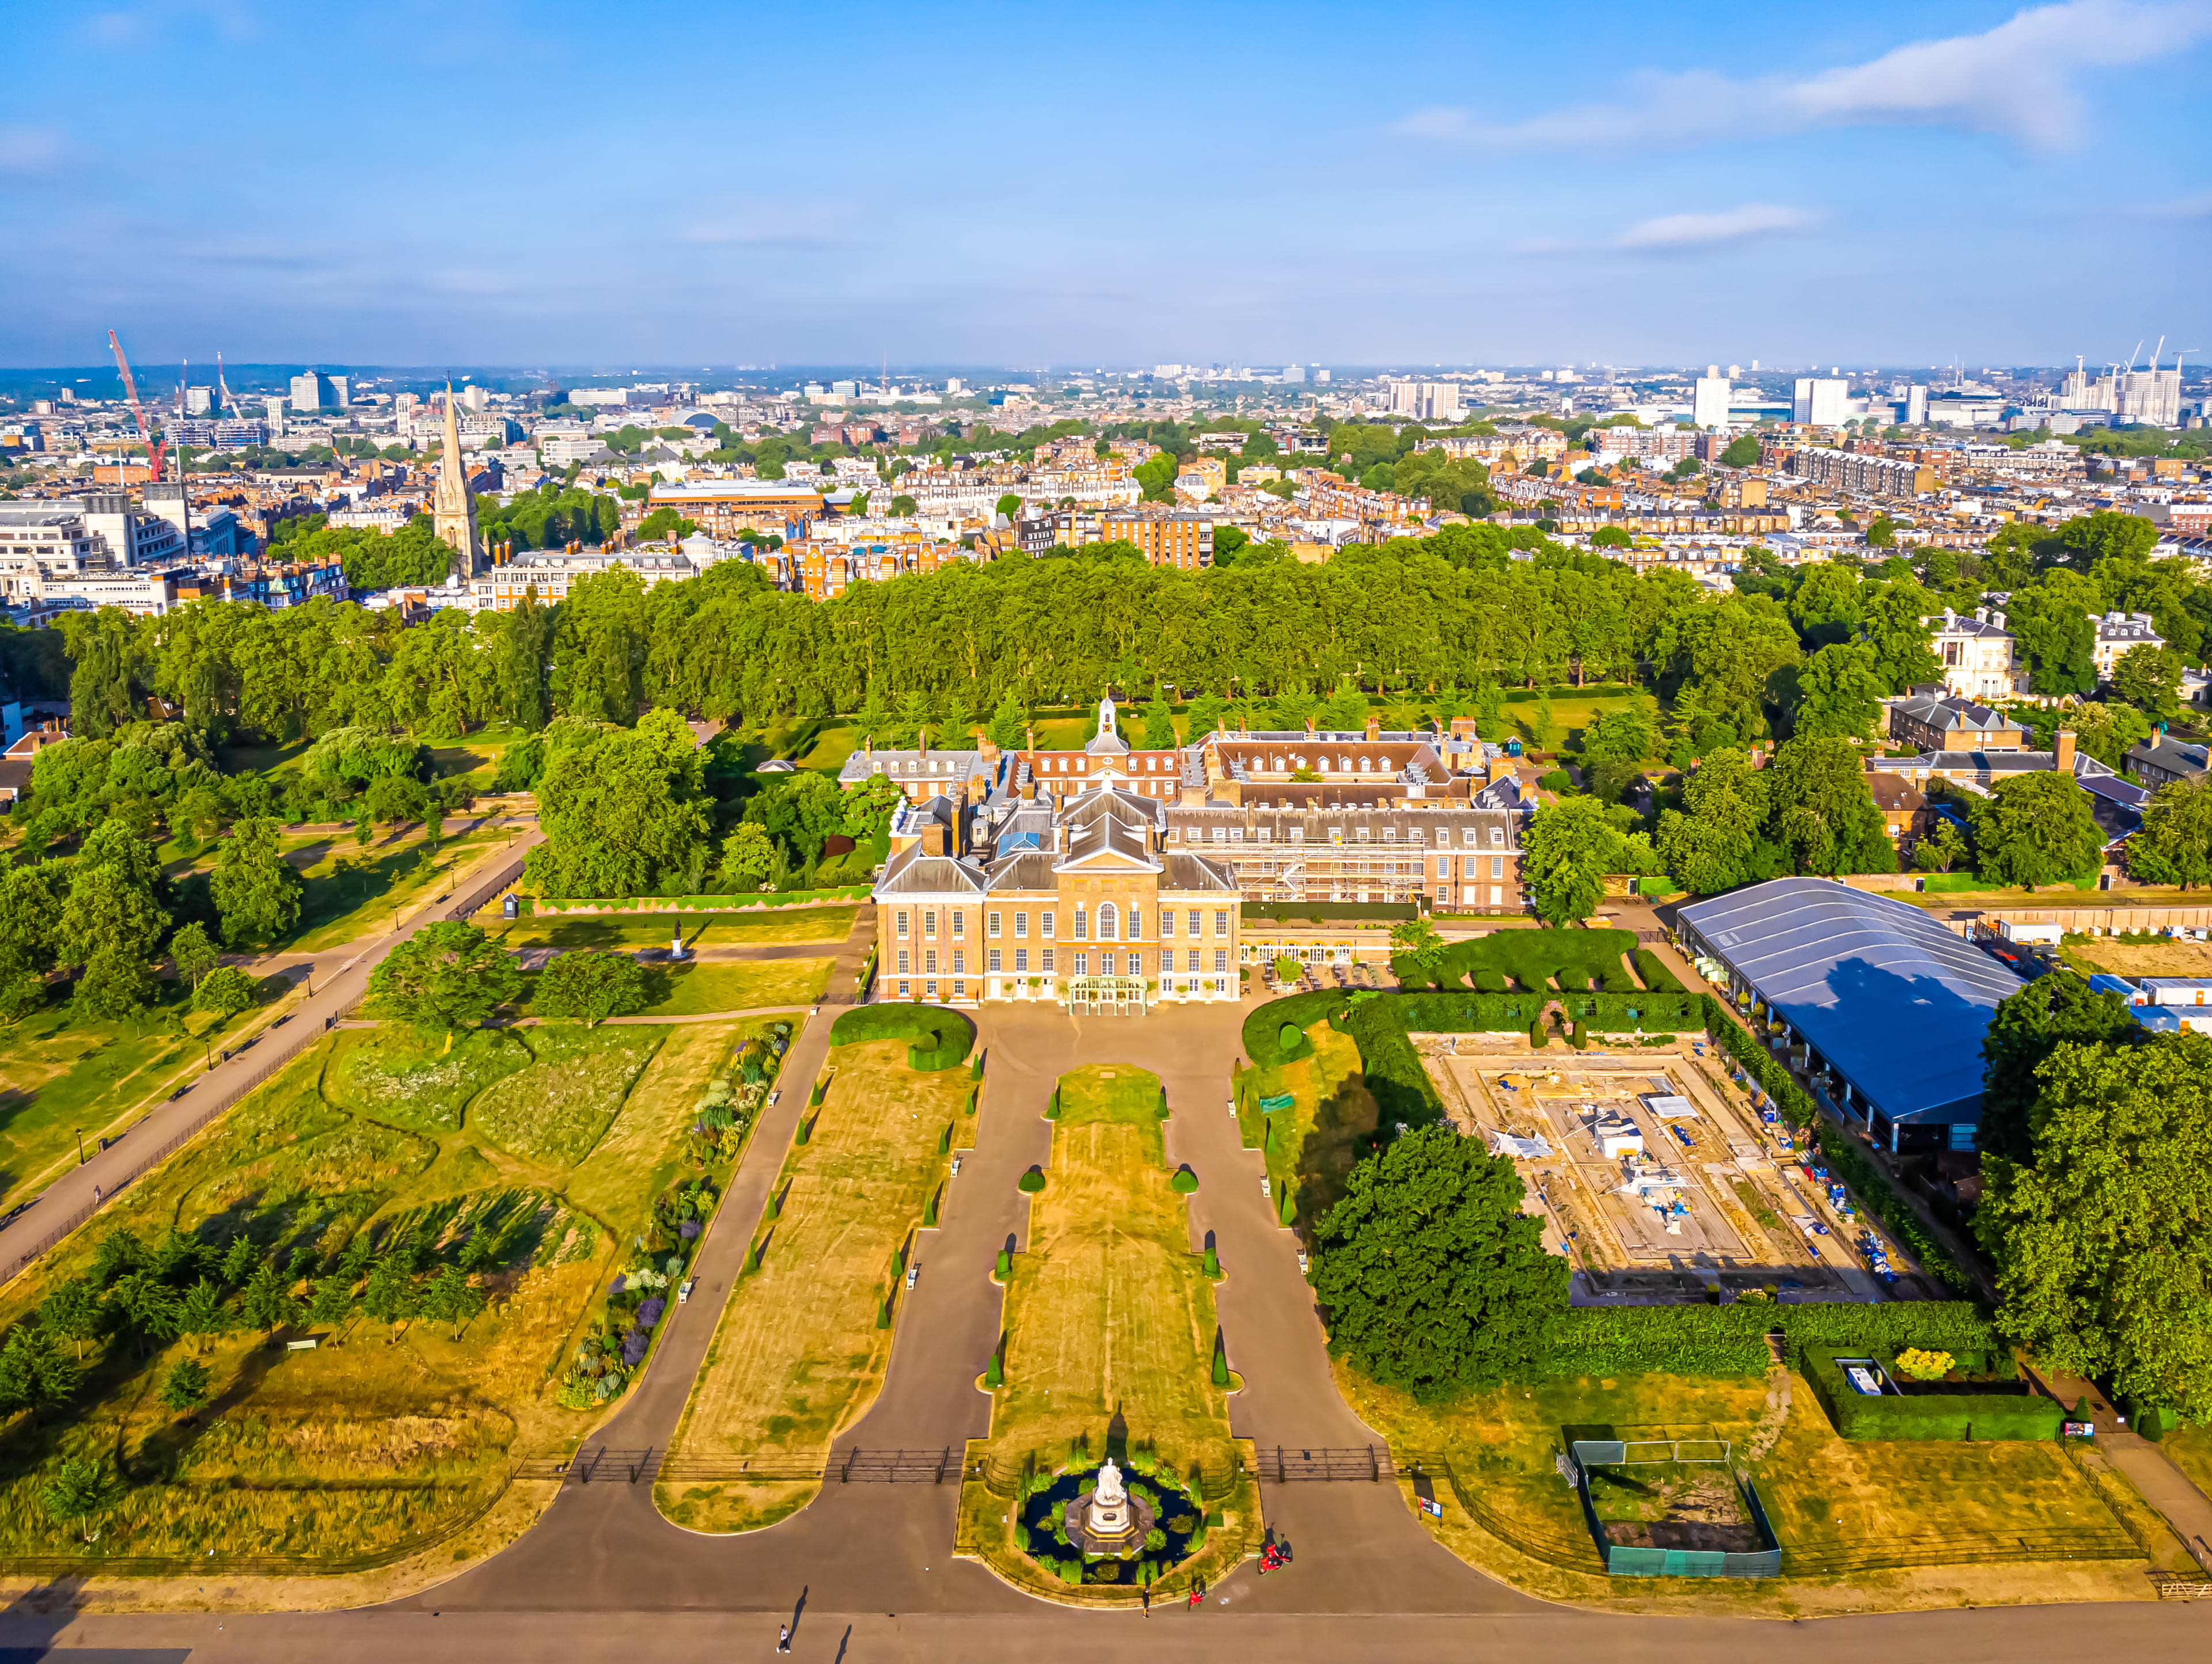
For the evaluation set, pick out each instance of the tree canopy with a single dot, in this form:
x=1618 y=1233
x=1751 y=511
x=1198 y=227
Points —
x=448 y=976
x=2035 y=829
x=1431 y=1276
x=2105 y=1262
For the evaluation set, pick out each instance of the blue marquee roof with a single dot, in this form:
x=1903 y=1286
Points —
x=1894 y=1002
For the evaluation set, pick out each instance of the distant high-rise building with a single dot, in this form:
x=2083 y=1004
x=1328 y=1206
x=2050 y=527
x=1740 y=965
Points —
x=2151 y=396
x=453 y=510
x=1820 y=402
x=1321 y=375
x=474 y=397
x=1708 y=402
x=313 y=391
x=1425 y=401
x=274 y=407
x=199 y=401
x=341 y=392
x=1293 y=374
x=1916 y=405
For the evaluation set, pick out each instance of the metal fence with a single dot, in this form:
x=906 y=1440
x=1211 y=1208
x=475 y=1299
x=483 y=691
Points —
x=489 y=891
x=1631 y=1560
x=278 y=1047
x=605 y=1465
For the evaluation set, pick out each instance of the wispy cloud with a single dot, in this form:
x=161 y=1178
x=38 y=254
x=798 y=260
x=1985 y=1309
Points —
x=1685 y=233
x=29 y=149
x=1730 y=225
x=762 y=222
x=2017 y=81
x=2198 y=207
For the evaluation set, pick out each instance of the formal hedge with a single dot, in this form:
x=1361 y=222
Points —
x=939 y=1038
x=1856 y=1415
x=1731 y=1340
x=1653 y=970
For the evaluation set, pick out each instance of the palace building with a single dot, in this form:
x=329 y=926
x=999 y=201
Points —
x=1025 y=895
x=1110 y=879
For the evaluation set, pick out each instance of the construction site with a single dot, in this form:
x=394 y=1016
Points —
x=1656 y=1177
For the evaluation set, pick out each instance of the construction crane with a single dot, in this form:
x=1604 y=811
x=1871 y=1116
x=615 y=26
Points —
x=154 y=445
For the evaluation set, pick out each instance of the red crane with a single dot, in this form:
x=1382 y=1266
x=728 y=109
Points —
x=154 y=445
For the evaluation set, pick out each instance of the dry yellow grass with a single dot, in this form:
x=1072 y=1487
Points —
x=1109 y=1311
x=2167 y=958
x=1110 y=1329
x=1864 y=1527
x=798 y=1356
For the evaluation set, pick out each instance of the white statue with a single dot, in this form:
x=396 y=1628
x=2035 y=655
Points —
x=1109 y=1493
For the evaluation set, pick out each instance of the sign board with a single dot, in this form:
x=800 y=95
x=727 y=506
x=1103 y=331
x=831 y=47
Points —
x=2078 y=1430
x=1424 y=1496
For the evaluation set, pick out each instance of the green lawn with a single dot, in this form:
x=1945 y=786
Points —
x=1311 y=1145
x=558 y=1107
x=382 y=1435
x=62 y=1071
x=785 y=925
x=696 y=989
x=799 y=1356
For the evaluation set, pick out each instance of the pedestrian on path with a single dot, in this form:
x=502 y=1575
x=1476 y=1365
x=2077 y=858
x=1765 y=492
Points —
x=783 y=1637
x=1147 y=1593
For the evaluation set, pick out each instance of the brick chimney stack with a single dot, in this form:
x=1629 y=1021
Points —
x=2061 y=751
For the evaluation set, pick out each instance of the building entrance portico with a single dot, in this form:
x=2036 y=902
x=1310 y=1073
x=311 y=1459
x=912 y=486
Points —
x=1106 y=996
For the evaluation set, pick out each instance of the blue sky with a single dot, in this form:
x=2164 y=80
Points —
x=496 y=182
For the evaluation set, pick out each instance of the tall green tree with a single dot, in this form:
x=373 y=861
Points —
x=1712 y=843
x=448 y=975
x=256 y=891
x=1841 y=690
x=1009 y=724
x=2150 y=679
x=192 y=953
x=624 y=813
x=1823 y=811
x=2175 y=844
x=1159 y=734
x=1431 y=1276
x=2105 y=1264
x=103 y=647
x=1565 y=854
x=2026 y=1029
x=2034 y=829
x=592 y=986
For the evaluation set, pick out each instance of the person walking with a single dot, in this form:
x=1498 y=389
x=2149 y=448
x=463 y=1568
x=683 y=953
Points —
x=783 y=1637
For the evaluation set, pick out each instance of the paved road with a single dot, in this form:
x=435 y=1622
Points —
x=340 y=977
x=868 y=1567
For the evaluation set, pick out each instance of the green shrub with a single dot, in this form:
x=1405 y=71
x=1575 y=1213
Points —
x=1291 y=1043
x=1490 y=981
x=995 y=1377
x=884 y=1314
x=1003 y=1267
x=1855 y=1415
x=945 y=1139
x=1220 y=1361
x=1163 y=1111
x=1731 y=1340
x=975 y=1069
x=1574 y=980
x=1655 y=975
x=1031 y=1181
x=821 y=1091
x=939 y=1037
x=805 y=1133
x=1213 y=1264
x=1185 y=1182
x=1288 y=1214
x=1052 y=1105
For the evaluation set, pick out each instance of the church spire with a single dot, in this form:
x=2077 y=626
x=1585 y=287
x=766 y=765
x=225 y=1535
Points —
x=453 y=510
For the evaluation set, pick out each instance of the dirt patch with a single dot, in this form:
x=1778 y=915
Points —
x=2167 y=958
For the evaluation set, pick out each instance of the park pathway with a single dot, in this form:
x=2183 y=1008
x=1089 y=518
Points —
x=337 y=980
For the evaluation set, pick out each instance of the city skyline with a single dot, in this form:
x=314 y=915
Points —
x=500 y=188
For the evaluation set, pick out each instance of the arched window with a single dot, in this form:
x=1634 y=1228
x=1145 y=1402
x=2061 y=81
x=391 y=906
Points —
x=1106 y=919
x=1364 y=765
x=1323 y=766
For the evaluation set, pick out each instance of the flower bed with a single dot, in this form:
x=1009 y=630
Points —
x=617 y=1343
